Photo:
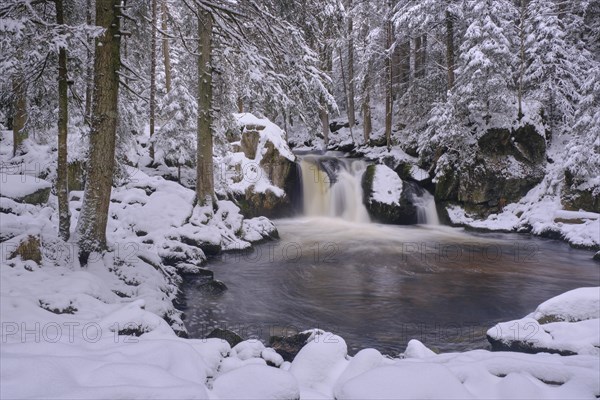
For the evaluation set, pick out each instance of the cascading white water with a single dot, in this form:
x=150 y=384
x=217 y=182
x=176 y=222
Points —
x=343 y=198
x=426 y=210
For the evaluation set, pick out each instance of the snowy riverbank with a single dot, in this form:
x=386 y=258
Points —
x=82 y=355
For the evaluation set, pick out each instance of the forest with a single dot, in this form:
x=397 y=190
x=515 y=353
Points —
x=220 y=188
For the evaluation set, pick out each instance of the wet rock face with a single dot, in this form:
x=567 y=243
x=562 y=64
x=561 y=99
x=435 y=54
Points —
x=507 y=165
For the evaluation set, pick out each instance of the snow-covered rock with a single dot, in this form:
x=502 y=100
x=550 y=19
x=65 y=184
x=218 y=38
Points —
x=566 y=324
x=256 y=382
x=24 y=188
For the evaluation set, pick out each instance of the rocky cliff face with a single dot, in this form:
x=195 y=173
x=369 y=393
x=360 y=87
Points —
x=507 y=164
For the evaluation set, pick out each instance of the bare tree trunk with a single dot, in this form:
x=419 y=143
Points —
x=20 y=111
x=165 y=46
x=389 y=100
x=153 y=78
x=351 y=114
x=324 y=109
x=204 y=166
x=240 y=105
x=366 y=106
x=405 y=65
x=522 y=60
x=450 y=48
x=91 y=227
x=89 y=74
x=62 y=189
x=350 y=125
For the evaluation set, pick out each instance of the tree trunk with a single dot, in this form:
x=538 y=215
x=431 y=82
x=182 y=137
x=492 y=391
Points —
x=62 y=189
x=153 y=78
x=89 y=74
x=20 y=111
x=450 y=48
x=404 y=65
x=326 y=58
x=165 y=46
x=522 y=60
x=389 y=100
x=91 y=227
x=345 y=87
x=204 y=166
x=366 y=106
x=351 y=114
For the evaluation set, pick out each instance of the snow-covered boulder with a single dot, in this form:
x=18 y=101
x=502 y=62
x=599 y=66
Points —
x=405 y=380
x=566 y=324
x=508 y=164
x=320 y=363
x=25 y=188
x=256 y=382
x=267 y=173
x=387 y=198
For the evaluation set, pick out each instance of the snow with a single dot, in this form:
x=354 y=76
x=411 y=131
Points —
x=271 y=133
x=256 y=382
x=568 y=322
x=19 y=186
x=387 y=185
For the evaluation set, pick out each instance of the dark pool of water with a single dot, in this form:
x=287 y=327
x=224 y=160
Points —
x=380 y=286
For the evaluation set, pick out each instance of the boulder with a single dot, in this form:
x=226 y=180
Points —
x=264 y=143
x=507 y=165
x=76 y=176
x=224 y=334
x=289 y=346
x=25 y=188
x=575 y=197
x=29 y=248
x=387 y=198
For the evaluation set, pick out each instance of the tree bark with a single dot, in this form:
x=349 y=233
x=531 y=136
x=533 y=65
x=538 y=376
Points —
x=62 y=189
x=366 y=106
x=91 y=227
x=204 y=166
x=345 y=87
x=153 y=78
x=20 y=111
x=389 y=100
x=89 y=74
x=522 y=60
x=351 y=113
x=450 y=48
x=165 y=46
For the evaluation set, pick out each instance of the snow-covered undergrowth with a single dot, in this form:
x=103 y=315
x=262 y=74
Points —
x=541 y=213
x=566 y=324
x=154 y=233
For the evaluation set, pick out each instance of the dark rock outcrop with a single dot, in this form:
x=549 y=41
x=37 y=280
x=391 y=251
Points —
x=224 y=334
x=507 y=164
x=403 y=212
x=288 y=346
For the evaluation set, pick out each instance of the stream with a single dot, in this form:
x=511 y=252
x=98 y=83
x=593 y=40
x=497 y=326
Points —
x=381 y=285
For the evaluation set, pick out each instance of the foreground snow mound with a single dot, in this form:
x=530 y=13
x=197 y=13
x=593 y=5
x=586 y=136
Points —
x=405 y=380
x=566 y=324
x=256 y=382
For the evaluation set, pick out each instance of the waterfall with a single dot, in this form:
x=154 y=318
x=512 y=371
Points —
x=334 y=194
x=332 y=187
x=426 y=210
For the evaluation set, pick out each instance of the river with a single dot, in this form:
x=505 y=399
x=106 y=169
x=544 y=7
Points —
x=382 y=285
